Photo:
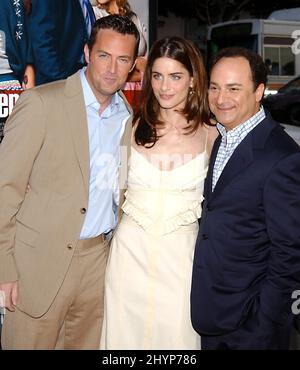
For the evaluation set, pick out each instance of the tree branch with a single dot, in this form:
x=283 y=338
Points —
x=239 y=8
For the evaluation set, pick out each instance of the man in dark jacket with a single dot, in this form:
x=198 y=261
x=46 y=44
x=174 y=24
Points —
x=247 y=256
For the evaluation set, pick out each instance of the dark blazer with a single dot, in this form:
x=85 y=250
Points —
x=18 y=48
x=247 y=256
x=58 y=34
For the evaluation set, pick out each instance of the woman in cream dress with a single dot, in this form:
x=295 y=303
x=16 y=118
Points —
x=147 y=292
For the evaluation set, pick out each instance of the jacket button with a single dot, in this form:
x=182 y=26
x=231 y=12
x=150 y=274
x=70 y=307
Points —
x=83 y=210
x=70 y=246
x=204 y=237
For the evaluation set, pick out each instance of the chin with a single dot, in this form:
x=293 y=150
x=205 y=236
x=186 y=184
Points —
x=169 y=105
x=224 y=119
x=110 y=90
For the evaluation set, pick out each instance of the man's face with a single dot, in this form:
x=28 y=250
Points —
x=232 y=97
x=109 y=62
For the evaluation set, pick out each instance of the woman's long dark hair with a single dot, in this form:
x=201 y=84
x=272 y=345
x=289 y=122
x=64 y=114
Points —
x=196 y=110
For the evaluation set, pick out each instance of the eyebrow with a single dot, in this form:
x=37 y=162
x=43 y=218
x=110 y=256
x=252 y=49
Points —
x=172 y=73
x=228 y=85
x=102 y=51
x=119 y=56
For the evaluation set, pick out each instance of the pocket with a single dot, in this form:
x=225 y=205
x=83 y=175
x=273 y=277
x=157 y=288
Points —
x=26 y=234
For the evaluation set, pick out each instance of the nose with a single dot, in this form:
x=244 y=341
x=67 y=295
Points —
x=221 y=97
x=112 y=65
x=164 y=84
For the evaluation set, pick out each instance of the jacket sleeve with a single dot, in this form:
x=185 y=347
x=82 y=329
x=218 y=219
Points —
x=23 y=138
x=43 y=26
x=282 y=211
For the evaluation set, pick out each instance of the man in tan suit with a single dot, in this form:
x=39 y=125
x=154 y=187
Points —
x=60 y=163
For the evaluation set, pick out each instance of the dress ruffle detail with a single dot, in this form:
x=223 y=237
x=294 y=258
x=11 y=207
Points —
x=185 y=216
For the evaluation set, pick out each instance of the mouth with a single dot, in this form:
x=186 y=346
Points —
x=165 y=96
x=224 y=109
x=110 y=78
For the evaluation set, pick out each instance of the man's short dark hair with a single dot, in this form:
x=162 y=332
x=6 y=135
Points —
x=258 y=68
x=117 y=23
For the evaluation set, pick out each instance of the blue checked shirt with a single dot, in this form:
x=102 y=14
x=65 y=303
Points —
x=230 y=140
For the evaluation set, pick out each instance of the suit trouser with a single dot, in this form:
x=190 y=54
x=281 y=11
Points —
x=74 y=319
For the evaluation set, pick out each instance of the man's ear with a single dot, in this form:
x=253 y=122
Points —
x=259 y=92
x=133 y=65
x=86 y=53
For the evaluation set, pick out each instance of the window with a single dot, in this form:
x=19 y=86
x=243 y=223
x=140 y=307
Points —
x=278 y=56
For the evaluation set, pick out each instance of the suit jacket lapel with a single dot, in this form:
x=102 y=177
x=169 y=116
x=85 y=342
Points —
x=208 y=181
x=240 y=159
x=77 y=120
x=243 y=155
x=79 y=128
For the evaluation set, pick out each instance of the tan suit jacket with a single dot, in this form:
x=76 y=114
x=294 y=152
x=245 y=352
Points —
x=46 y=146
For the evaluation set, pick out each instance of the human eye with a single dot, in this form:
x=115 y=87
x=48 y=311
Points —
x=156 y=76
x=175 y=77
x=212 y=88
x=234 y=89
x=103 y=56
x=124 y=60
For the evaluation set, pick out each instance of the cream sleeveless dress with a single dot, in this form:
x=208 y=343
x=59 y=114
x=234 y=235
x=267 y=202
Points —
x=148 y=278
